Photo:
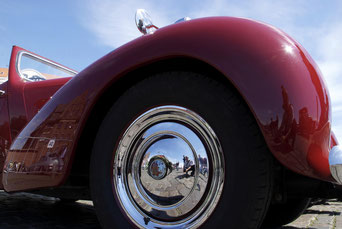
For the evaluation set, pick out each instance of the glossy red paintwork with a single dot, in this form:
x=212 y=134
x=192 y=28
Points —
x=27 y=98
x=24 y=100
x=275 y=75
x=5 y=138
x=334 y=140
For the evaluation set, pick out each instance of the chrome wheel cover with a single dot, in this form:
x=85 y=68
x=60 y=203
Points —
x=168 y=169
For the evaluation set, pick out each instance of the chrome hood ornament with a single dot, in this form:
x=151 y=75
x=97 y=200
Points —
x=144 y=22
x=183 y=19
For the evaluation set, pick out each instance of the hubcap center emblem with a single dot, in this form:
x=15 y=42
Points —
x=157 y=169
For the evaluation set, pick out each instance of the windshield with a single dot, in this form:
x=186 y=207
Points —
x=35 y=68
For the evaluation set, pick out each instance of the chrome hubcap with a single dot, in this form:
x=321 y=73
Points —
x=168 y=169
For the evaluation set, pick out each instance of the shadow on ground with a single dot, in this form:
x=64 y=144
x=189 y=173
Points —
x=325 y=214
x=22 y=210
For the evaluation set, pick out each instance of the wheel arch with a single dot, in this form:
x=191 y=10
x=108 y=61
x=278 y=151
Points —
x=80 y=165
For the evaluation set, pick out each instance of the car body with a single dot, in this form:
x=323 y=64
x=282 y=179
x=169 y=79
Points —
x=48 y=126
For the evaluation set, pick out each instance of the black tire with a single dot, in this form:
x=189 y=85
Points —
x=248 y=178
x=282 y=214
x=317 y=201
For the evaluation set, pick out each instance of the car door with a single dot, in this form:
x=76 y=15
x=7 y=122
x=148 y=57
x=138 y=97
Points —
x=32 y=82
x=5 y=138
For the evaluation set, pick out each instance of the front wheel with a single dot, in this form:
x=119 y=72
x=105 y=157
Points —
x=194 y=122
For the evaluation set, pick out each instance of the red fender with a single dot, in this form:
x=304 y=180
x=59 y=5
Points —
x=279 y=81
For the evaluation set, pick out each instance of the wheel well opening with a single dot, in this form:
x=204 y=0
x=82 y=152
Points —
x=79 y=175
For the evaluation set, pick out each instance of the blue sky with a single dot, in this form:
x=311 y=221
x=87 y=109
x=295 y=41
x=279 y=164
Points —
x=76 y=33
x=50 y=28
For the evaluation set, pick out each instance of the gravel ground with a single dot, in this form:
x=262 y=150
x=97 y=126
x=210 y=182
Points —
x=327 y=216
x=23 y=210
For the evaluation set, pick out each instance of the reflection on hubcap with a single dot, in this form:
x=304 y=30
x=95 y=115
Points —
x=157 y=169
x=168 y=169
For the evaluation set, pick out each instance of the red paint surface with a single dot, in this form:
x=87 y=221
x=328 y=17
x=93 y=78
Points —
x=27 y=98
x=333 y=141
x=275 y=75
x=5 y=137
x=24 y=100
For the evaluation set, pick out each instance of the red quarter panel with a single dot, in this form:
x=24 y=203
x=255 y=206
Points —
x=277 y=78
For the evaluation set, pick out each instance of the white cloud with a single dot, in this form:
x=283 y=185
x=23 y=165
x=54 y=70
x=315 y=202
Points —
x=112 y=22
x=109 y=22
x=329 y=48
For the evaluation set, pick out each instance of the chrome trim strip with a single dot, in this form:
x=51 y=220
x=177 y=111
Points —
x=41 y=60
x=182 y=19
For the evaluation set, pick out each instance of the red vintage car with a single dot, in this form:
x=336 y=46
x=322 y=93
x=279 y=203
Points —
x=239 y=103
